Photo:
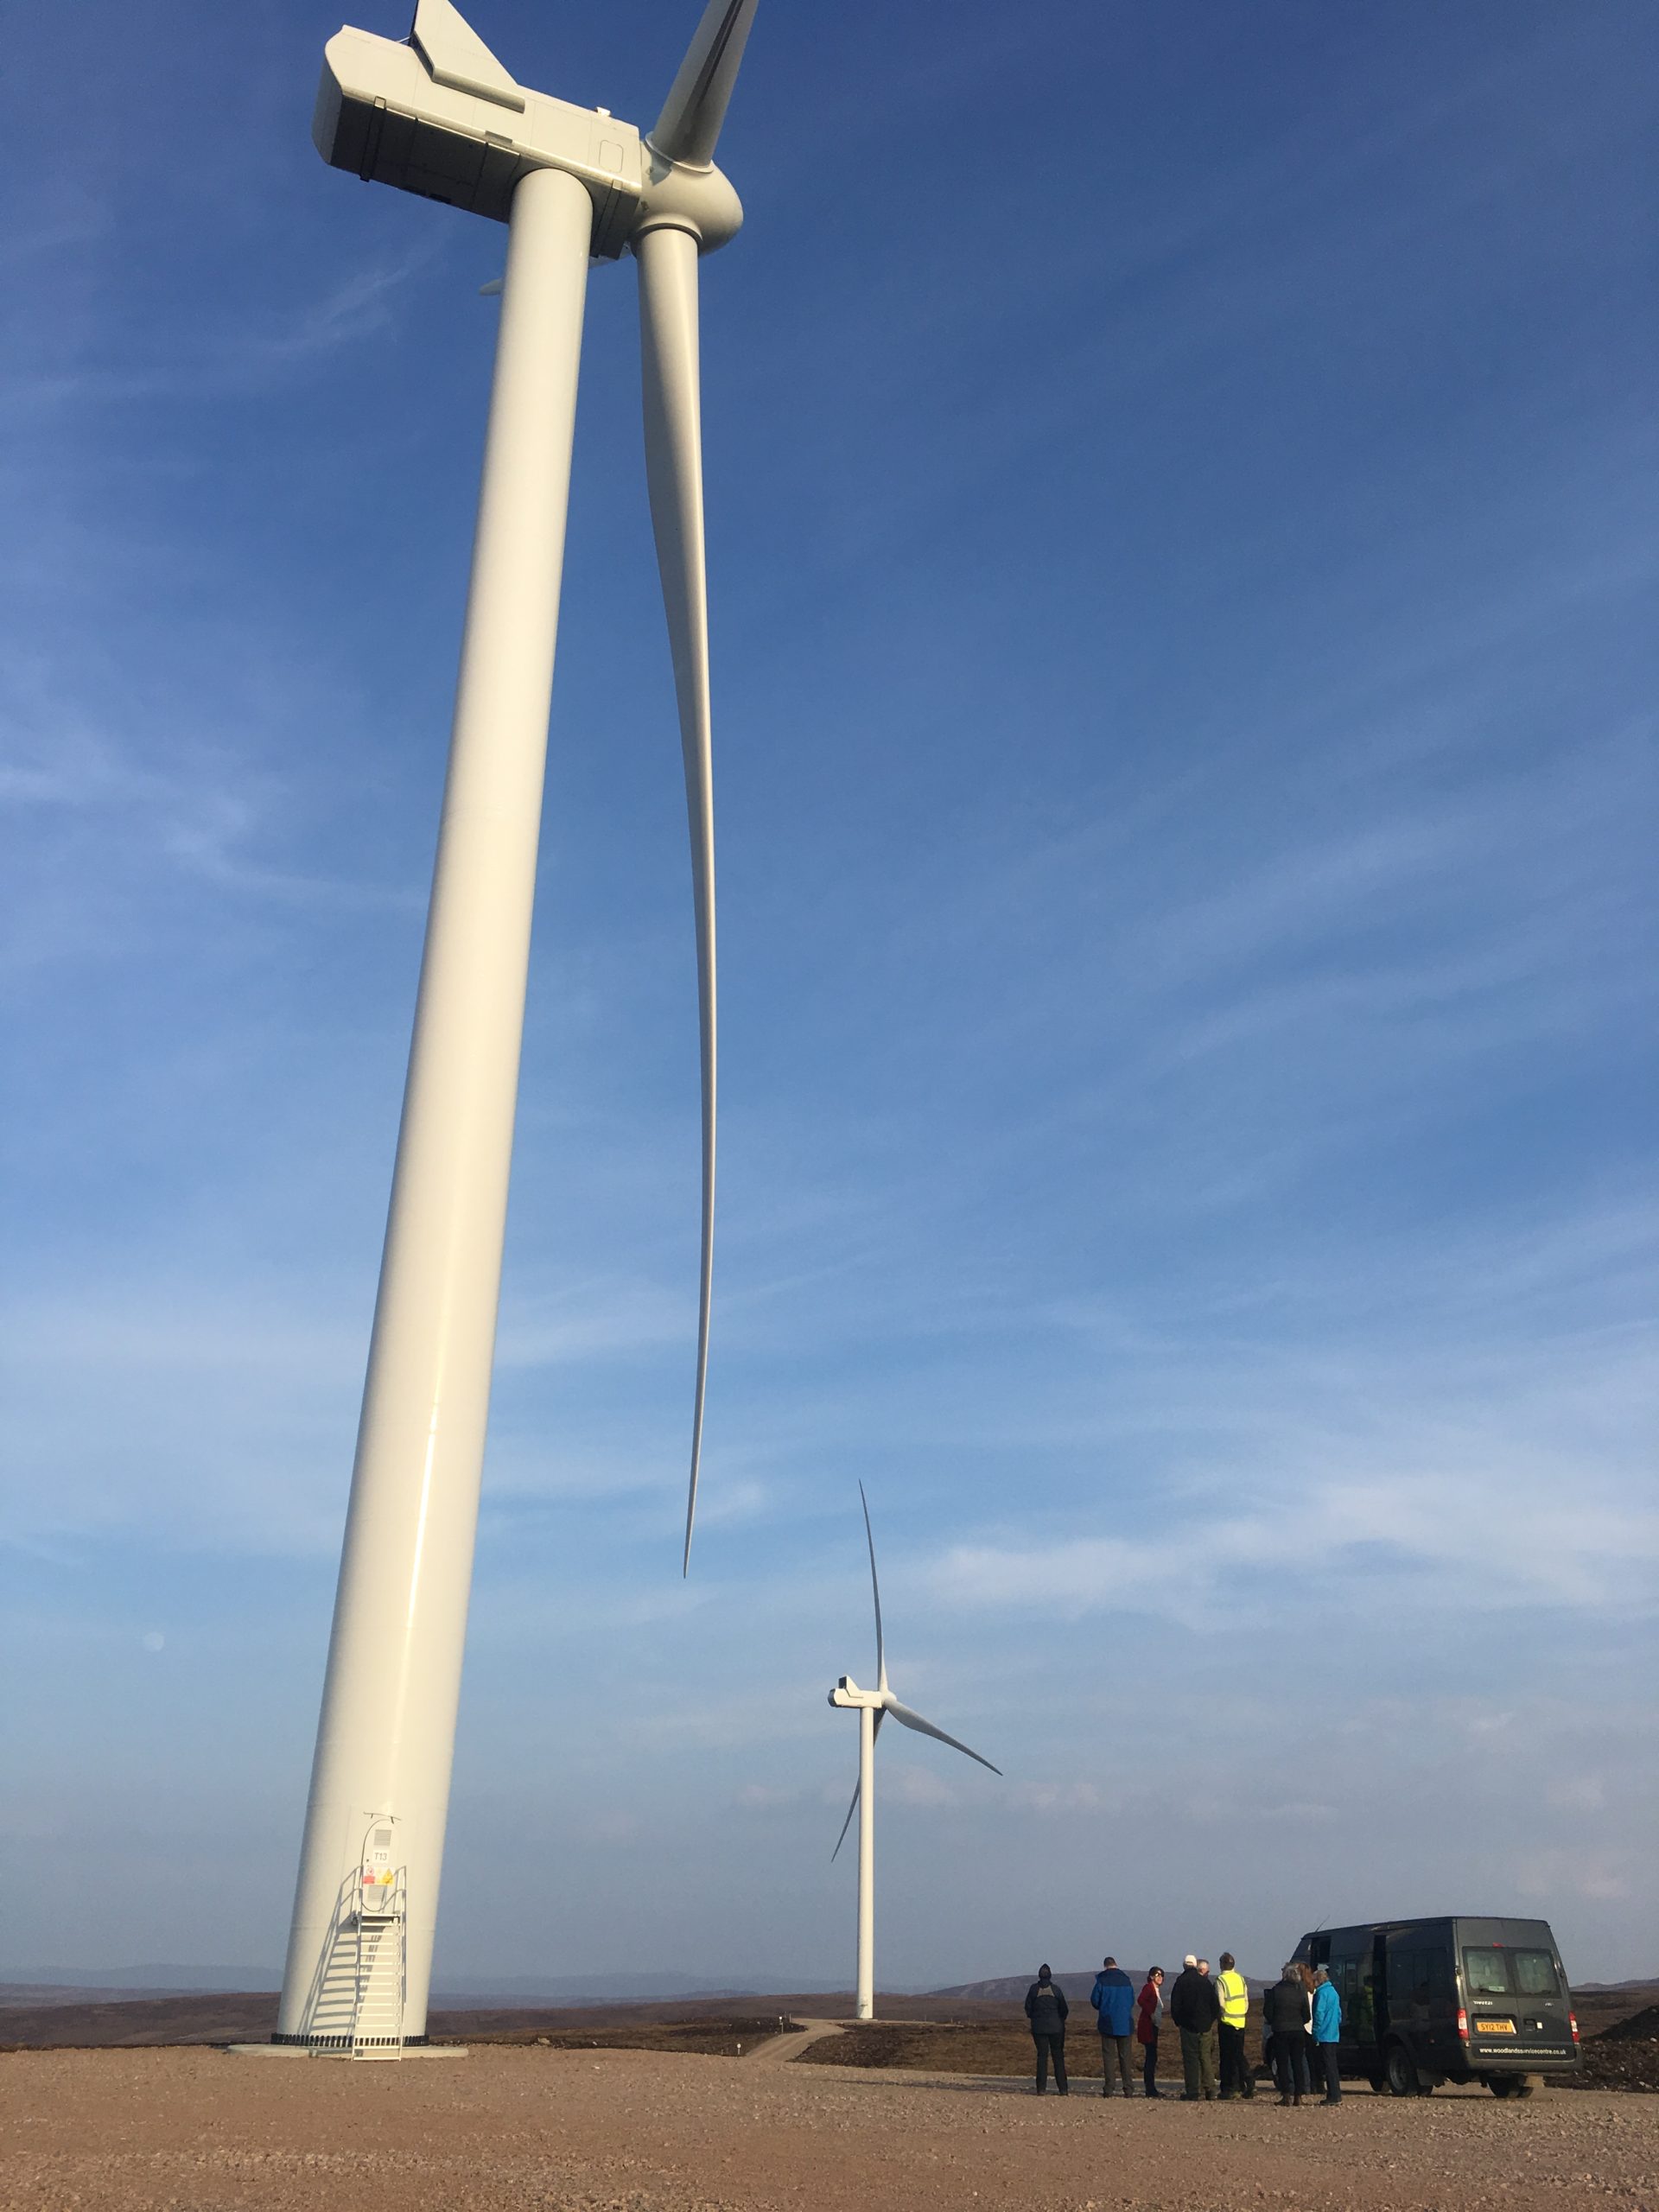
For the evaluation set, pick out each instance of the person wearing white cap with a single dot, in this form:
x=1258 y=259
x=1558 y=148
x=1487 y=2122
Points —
x=1195 y=2010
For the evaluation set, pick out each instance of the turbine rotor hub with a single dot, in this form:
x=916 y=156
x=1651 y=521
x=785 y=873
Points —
x=675 y=196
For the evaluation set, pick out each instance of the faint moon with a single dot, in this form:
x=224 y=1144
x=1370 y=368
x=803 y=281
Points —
x=155 y=1641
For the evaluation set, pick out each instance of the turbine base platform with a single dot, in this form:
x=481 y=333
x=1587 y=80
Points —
x=306 y=2050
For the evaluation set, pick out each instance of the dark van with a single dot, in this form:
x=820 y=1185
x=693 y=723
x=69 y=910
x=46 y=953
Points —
x=1428 y=2001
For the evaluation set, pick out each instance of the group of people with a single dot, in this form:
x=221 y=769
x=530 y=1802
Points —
x=1302 y=2025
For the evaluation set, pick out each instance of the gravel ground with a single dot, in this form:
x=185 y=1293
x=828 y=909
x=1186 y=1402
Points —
x=509 y=2129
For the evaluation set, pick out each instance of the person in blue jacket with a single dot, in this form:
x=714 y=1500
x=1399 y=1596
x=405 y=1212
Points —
x=1327 y=2032
x=1113 y=1998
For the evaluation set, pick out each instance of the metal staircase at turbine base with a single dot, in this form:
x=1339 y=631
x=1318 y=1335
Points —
x=377 y=2007
x=358 y=1996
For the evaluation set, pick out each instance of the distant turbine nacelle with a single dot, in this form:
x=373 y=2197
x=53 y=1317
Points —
x=440 y=117
x=847 y=1693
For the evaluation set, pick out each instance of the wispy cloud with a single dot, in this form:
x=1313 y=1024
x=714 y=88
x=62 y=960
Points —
x=1489 y=1537
x=221 y=354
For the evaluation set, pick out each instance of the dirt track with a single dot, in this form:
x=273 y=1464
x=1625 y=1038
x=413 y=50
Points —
x=507 y=2130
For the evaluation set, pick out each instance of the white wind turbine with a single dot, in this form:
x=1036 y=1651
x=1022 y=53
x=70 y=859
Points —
x=439 y=115
x=873 y=1707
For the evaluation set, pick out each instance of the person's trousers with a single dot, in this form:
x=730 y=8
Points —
x=1290 y=2061
x=1050 y=2047
x=1149 y=2065
x=1325 y=2066
x=1116 y=2064
x=1199 y=2061
x=1235 y=2066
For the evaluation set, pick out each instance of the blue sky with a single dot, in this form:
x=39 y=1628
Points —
x=1181 y=489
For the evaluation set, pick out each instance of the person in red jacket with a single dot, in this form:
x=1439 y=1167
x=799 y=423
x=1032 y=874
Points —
x=1148 y=2011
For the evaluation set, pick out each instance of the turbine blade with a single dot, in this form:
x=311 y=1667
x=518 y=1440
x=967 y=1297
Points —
x=668 y=330
x=845 y=1824
x=906 y=1719
x=853 y=1808
x=696 y=107
x=880 y=1647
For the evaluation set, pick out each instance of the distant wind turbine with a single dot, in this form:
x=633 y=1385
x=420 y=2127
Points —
x=439 y=115
x=873 y=1707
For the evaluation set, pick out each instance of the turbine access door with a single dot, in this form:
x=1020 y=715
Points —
x=378 y=1877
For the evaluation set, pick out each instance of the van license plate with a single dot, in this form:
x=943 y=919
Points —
x=1494 y=2027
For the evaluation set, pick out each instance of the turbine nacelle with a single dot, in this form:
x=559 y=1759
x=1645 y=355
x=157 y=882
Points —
x=847 y=1693
x=437 y=115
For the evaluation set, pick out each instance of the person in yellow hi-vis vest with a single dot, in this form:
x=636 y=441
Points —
x=1234 y=1995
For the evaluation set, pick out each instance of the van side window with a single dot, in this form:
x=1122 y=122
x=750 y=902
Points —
x=1349 y=1972
x=1535 y=1973
x=1484 y=1971
x=1364 y=2008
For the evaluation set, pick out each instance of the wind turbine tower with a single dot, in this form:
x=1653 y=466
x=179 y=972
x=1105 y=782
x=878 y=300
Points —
x=439 y=115
x=873 y=1707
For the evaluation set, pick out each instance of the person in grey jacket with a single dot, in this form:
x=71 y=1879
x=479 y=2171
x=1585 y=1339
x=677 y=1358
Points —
x=1046 y=2008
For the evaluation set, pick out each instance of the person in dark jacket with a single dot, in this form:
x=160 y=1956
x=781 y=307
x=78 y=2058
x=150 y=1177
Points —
x=1148 y=2011
x=1046 y=2008
x=1113 y=1998
x=1285 y=2013
x=1195 y=2010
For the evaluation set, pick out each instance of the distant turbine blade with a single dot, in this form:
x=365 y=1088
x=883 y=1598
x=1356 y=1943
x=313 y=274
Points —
x=845 y=1824
x=696 y=107
x=881 y=1649
x=853 y=1808
x=456 y=56
x=668 y=330
x=906 y=1719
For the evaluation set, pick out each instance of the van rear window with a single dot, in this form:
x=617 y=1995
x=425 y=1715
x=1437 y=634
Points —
x=1484 y=1973
x=1535 y=1973
x=1488 y=1972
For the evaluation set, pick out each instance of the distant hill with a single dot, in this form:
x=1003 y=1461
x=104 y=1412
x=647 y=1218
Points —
x=597 y=1988
x=45 y=1986
x=1010 y=1988
x=133 y=1981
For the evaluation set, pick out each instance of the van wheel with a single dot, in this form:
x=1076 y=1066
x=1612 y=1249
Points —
x=1401 y=2072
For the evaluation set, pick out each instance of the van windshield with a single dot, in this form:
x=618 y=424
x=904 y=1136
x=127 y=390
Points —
x=1488 y=1972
